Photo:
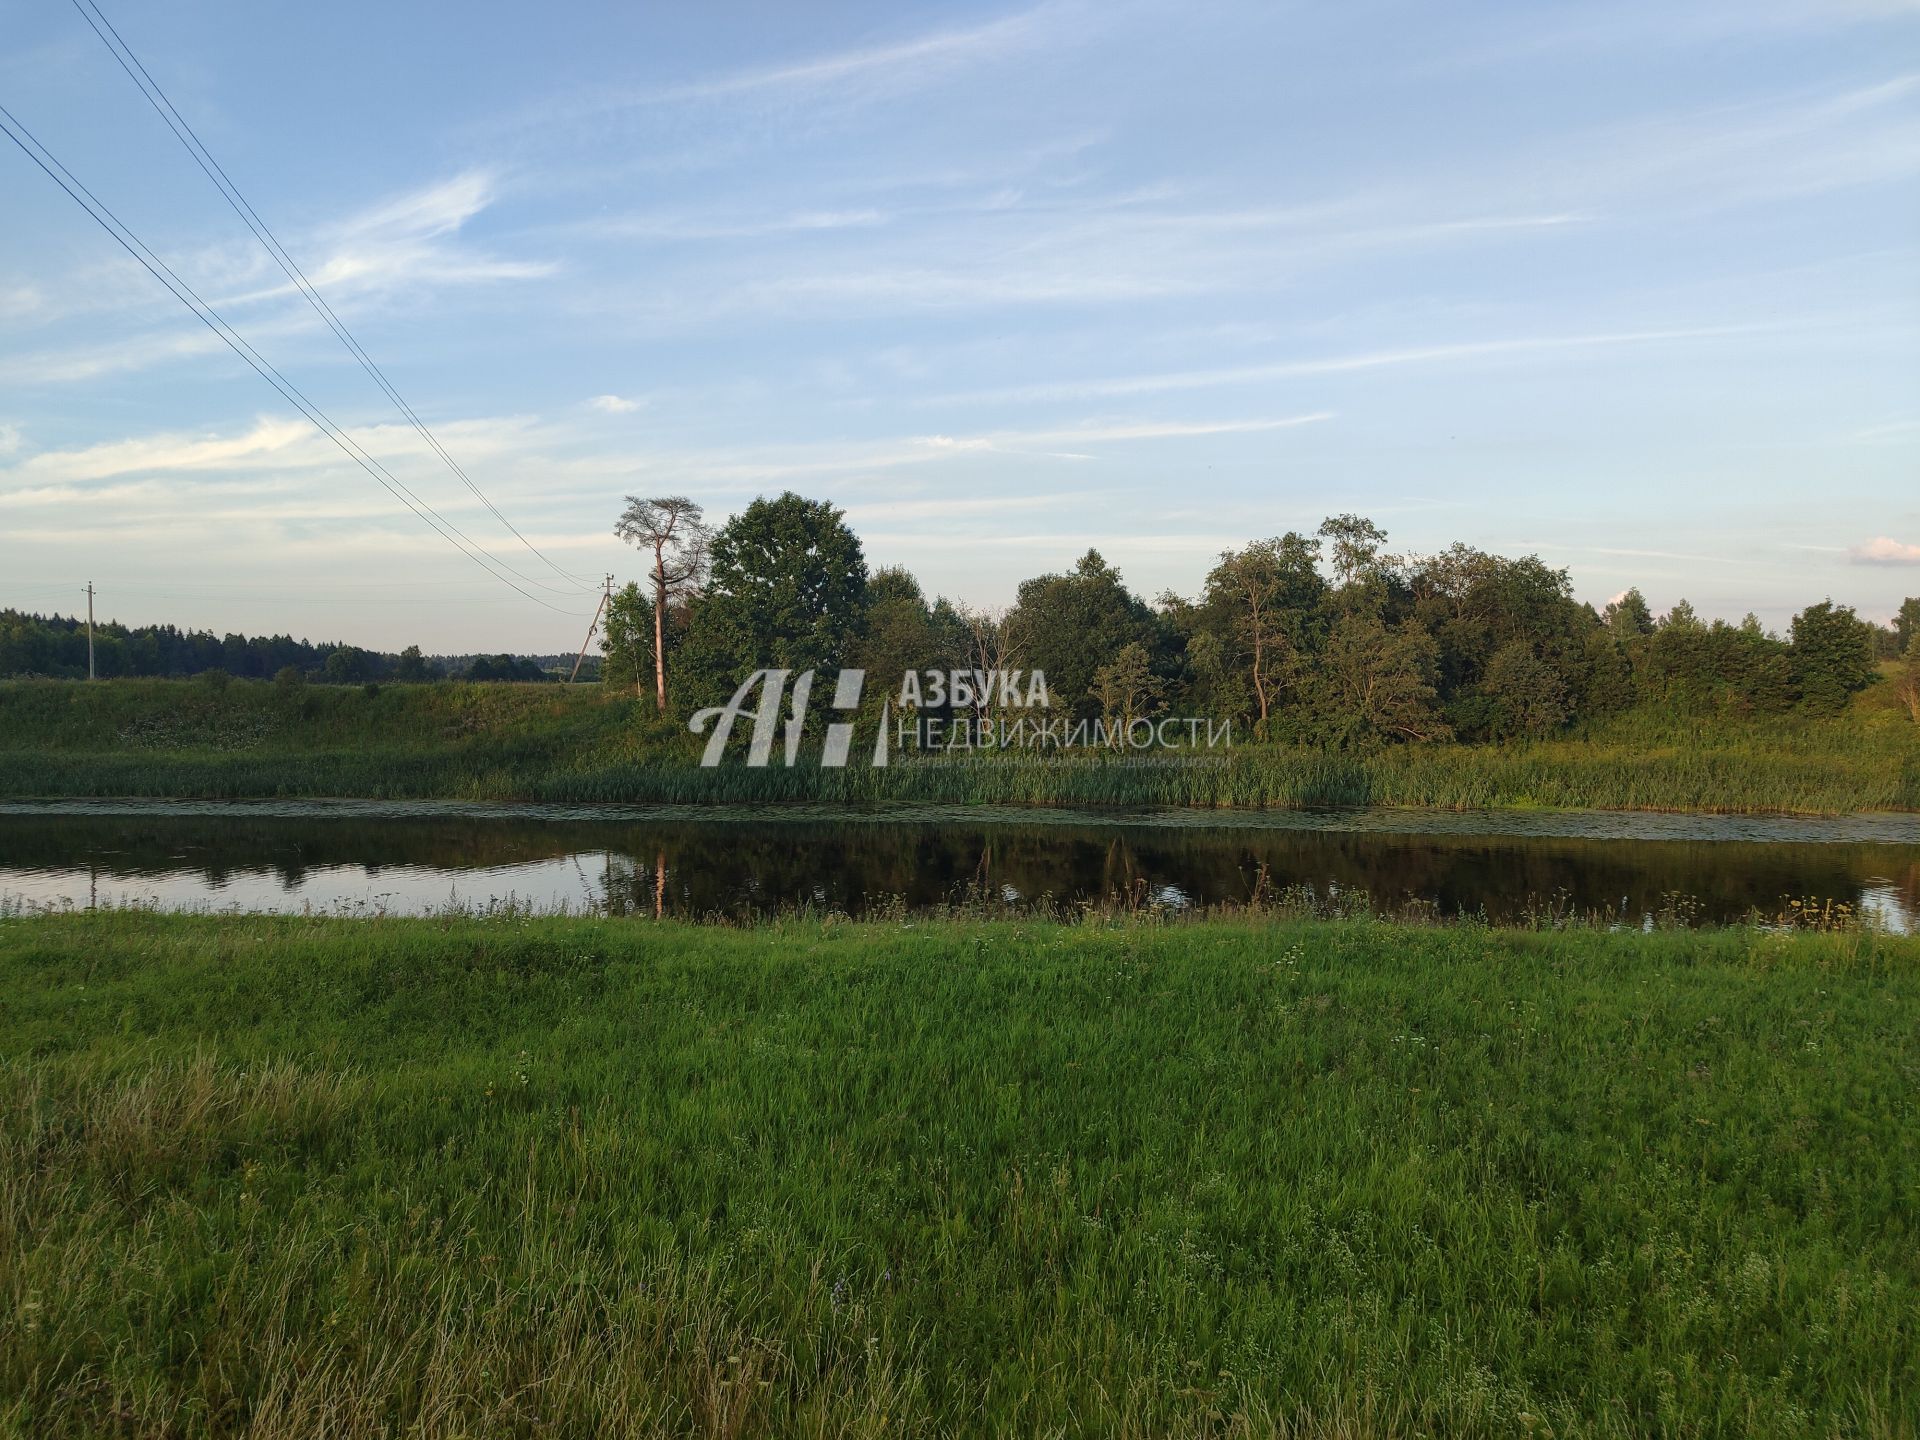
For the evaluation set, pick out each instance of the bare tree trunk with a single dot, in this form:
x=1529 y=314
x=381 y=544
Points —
x=671 y=524
x=1257 y=632
x=1259 y=675
x=659 y=631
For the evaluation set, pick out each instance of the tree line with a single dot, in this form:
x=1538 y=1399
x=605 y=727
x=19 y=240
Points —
x=55 y=646
x=1328 y=638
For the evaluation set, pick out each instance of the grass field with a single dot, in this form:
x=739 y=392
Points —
x=576 y=744
x=457 y=1178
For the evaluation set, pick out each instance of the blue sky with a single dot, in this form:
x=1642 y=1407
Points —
x=1632 y=286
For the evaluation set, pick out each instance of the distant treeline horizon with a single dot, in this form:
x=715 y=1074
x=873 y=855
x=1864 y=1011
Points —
x=35 y=645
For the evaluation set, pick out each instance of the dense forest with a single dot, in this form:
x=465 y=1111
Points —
x=56 y=646
x=1327 y=639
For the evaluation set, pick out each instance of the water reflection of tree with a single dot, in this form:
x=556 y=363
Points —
x=702 y=868
x=1904 y=880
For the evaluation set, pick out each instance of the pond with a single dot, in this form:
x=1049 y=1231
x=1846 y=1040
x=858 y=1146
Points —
x=414 y=857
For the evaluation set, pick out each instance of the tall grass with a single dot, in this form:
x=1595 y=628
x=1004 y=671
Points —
x=574 y=744
x=289 y=1177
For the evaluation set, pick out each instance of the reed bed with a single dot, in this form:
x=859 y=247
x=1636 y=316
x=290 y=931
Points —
x=576 y=745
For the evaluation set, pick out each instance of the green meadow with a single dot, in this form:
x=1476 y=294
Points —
x=298 y=1177
x=579 y=744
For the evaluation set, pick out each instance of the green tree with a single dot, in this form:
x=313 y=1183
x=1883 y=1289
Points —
x=1260 y=609
x=1906 y=623
x=411 y=666
x=900 y=635
x=1682 y=617
x=1694 y=668
x=672 y=531
x=1609 y=675
x=1907 y=687
x=1630 y=618
x=505 y=667
x=787 y=589
x=346 y=664
x=1070 y=625
x=1525 y=694
x=1832 y=652
x=1353 y=544
x=1376 y=683
x=1476 y=605
x=627 y=641
x=1126 y=689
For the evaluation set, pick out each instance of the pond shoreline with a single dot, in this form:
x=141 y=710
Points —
x=1895 y=827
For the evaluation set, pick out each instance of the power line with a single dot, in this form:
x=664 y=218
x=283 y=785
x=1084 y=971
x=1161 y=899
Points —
x=31 y=147
x=214 y=321
x=188 y=137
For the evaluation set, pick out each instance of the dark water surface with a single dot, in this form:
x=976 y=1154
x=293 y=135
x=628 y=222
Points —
x=416 y=857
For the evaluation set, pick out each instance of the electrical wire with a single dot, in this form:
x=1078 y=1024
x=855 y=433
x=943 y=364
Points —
x=185 y=294
x=190 y=139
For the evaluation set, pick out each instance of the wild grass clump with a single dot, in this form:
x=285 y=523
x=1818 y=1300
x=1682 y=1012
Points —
x=546 y=1177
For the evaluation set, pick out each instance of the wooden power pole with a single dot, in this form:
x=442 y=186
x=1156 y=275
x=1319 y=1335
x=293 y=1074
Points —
x=90 y=630
x=606 y=599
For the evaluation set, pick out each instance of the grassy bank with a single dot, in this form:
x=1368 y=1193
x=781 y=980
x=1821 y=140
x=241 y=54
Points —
x=291 y=1177
x=575 y=744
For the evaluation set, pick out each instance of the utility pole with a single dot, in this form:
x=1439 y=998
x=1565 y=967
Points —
x=90 y=630
x=606 y=599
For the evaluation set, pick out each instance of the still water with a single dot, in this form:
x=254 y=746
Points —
x=411 y=858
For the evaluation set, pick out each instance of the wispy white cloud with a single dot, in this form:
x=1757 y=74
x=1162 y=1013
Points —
x=1884 y=550
x=880 y=512
x=848 y=462
x=1112 y=544
x=409 y=243
x=1103 y=246
x=1773 y=149
x=167 y=501
x=1466 y=351
x=409 y=240
x=898 y=63
x=273 y=444
x=736 y=227
x=857 y=72
x=1085 y=249
x=614 y=404
x=1893 y=430
x=67 y=364
x=1631 y=553
x=1656 y=25
x=166 y=452
x=1115 y=431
